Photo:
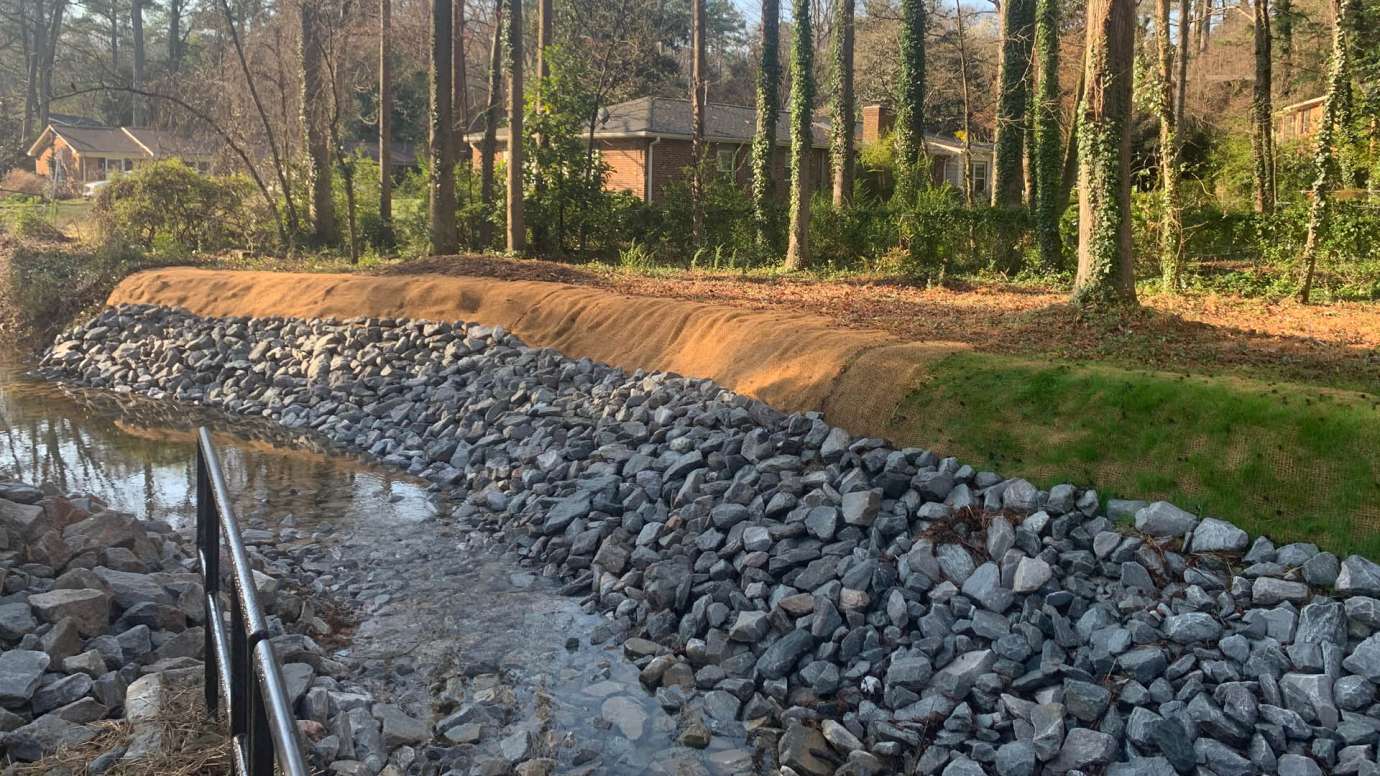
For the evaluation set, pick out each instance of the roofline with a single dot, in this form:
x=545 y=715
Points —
x=1303 y=103
x=474 y=138
x=33 y=149
x=137 y=142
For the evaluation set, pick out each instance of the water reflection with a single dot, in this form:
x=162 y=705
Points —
x=139 y=455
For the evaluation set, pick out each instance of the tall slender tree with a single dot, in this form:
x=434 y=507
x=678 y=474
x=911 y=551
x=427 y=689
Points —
x=845 y=111
x=1171 y=216
x=910 y=108
x=1181 y=88
x=967 y=104
x=386 y=119
x=489 y=145
x=517 y=230
x=316 y=121
x=1106 y=272
x=1047 y=158
x=764 y=138
x=802 y=140
x=1262 y=112
x=1013 y=91
x=697 y=97
x=459 y=81
x=136 y=31
x=1325 y=153
x=444 y=239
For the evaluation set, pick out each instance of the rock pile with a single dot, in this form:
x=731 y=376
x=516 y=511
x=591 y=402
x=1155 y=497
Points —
x=102 y=617
x=870 y=610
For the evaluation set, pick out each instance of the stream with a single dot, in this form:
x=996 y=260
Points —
x=439 y=612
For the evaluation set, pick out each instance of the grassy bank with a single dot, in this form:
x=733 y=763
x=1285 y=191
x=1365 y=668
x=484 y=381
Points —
x=1288 y=461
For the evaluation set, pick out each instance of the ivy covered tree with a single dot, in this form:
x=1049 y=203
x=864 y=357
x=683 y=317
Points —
x=386 y=120
x=1013 y=91
x=517 y=230
x=1106 y=272
x=845 y=111
x=1262 y=112
x=1171 y=217
x=488 y=146
x=768 y=103
x=802 y=140
x=1325 y=154
x=910 y=108
x=1047 y=160
x=697 y=97
x=311 y=54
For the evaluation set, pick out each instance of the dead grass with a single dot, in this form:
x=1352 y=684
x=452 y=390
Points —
x=192 y=745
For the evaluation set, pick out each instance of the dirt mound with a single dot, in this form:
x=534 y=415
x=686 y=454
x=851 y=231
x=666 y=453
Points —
x=794 y=362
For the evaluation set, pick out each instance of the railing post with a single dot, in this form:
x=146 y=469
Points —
x=208 y=545
x=260 y=756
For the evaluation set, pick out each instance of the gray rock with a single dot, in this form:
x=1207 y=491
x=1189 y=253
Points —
x=20 y=670
x=1359 y=576
x=1031 y=575
x=861 y=507
x=1163 y=519
x=1192 y=627
x=1084 y=749
x=44 y=736
x=1213 y=535
x=779 y=658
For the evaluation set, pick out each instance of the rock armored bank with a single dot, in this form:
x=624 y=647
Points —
x=940 y=620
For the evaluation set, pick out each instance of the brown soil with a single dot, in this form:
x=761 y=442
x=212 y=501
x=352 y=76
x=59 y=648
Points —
x=1336 y=344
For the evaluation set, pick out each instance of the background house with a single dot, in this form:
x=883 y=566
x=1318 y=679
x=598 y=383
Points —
x=72 y=153
x=1299 y=120
x=646 y=144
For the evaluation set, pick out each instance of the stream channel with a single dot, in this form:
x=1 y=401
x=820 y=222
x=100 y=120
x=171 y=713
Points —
x=432 y=604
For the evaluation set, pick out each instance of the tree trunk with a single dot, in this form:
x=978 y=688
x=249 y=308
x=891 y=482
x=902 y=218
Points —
x=442 y=200
x=517 y=231
x=802 y=140
x=175 y=11
x=1325 y=154
x=1047 y=158
x=114 y=37
x=488 y=146
x=1069 y=176
x=1205 y=10
x=460 y=93
x=1181 y=92
x=910 y=110
x=326 y=231
x=1106 y=273
x=137 y=81
x=697 y=97
x=1013 y=81
x=541 y=234
x=1171 y=217
x=845 y=111
x=764 y=139
x=386 y=120
x=967 y=106
x=1262 y=134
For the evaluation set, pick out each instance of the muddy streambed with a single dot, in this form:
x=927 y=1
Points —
x=439 y=613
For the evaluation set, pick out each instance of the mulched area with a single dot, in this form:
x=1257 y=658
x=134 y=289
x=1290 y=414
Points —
x=1335 y=344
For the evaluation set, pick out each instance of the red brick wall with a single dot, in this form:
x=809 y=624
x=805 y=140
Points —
x=627 y=161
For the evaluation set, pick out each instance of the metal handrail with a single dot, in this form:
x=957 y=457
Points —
x=240 y=665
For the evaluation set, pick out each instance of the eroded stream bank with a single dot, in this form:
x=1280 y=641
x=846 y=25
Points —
x=445 y=624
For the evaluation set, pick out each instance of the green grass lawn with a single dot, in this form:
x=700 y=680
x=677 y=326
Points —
x=1291 y=462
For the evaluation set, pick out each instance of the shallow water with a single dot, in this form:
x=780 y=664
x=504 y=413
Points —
x=434 y=603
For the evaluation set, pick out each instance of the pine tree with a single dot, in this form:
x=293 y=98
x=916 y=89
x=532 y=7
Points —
x=1324 y=154
x=910 y=109
x=517 y=231
x=1106 y=273
x=802 y=140
x=1048 y=157
x=443 y=238
x=764 y=140
x=1171 y=217
x=1013 y=87
x=386 y=119
x=488 y=147
x=845 y=111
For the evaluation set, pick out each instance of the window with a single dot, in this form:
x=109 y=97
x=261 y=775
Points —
x=979 y=177
x=128 y=165
x=726 y=161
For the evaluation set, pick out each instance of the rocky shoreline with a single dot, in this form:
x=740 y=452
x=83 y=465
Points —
x=852 y=608
x=102 y=619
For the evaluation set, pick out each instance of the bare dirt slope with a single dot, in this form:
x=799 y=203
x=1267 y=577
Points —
x=792 y=361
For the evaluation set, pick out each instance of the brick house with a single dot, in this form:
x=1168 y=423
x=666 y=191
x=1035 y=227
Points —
x=646 y=144
x=70 y=154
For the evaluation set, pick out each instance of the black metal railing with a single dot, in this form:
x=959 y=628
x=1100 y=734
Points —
x=240 y=665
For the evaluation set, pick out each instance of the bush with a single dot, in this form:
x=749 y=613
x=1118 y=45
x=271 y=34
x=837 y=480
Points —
x=18 y=183
x=171 y=207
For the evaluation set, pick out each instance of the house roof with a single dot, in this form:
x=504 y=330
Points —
x=668 y=117
x=126 y=142
x=72 y=120
x=1303 y=104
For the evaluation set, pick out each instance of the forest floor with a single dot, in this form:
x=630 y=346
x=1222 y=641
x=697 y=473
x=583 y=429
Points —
x=1332 y=345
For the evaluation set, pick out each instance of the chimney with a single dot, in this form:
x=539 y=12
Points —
x=877 y=121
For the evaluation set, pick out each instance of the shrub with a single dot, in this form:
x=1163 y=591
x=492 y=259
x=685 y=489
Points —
x=22 y=183
x=172 y=207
